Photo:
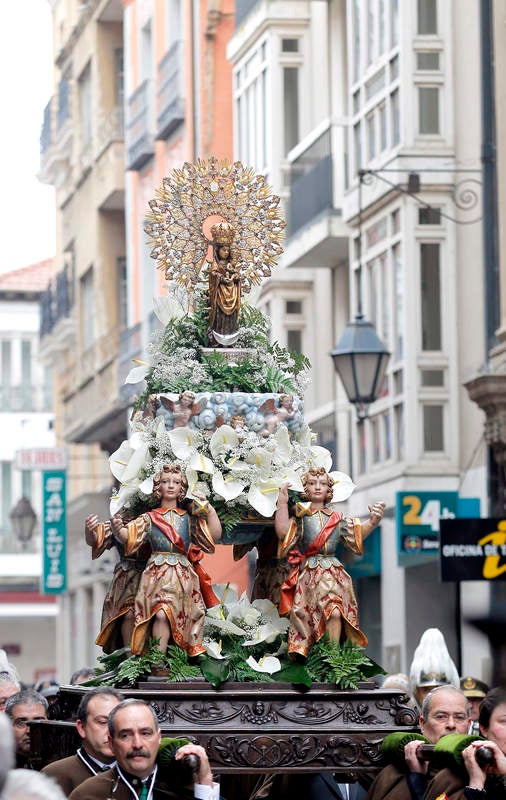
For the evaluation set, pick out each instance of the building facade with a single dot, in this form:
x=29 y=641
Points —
x=140 y=87
x=366 y=124
x=27 y=618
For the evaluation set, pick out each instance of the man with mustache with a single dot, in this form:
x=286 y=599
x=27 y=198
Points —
x=95 y=754
x=134 y=736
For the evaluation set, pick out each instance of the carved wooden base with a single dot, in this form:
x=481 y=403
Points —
x=259 y=727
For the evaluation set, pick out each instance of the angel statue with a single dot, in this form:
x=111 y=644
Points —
x=275 y=414
x=224 y=288
x=318 y=594
x=183 y=408
x=174 y=590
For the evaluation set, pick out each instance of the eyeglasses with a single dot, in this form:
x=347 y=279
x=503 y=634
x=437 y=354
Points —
x=22 y=722
x=442 y=716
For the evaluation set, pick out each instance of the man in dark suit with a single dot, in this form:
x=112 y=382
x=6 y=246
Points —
x=134 y=736
x=95 y=754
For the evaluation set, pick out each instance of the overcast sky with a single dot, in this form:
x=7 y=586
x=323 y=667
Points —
x=26 y=205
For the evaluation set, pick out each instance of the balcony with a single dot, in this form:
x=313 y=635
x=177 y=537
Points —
x=317 y=235
x=110 y=160
x=140 y=139
x=170 y=99
x=56 y=137
x=24 y=398
x=93 y=411
x=57 y=323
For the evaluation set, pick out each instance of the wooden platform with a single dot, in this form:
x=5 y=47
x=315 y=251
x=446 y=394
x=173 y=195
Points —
x=257 y=727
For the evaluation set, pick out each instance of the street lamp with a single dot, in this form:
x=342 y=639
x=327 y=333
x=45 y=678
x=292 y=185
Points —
x=23 y=519
x=360 y=357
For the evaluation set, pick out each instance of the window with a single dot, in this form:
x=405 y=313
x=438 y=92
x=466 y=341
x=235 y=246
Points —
x=429 y=216
x=433 y=438
x=251 y=110
x=398 y=301
x=85 y=104
x=394 y=22
x=6 y=363
x=87 y=310
x=294 y=340
x=118 y=78
x=293 y=307
x=395 y=121
x=290 y=45
x=399 y=431
x=291 y=107
x=6 y=494
x=371 y=137
x=428 y=104
x=427 y=61
x=26 y=483
x=427 y=16
x=432 y=377
x=146 y=52
x=430 y=297
x=123 y=293
x=26 y=362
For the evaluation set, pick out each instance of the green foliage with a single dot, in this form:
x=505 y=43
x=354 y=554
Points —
x=116 y=670
x=179 y=665
x=345 y=664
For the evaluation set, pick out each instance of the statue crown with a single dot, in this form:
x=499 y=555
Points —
x=222 y=233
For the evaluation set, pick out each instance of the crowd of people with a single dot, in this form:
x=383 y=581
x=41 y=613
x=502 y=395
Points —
x=120 y=740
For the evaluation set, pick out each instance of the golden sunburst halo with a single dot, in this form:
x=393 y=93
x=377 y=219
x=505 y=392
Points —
x=191 y=199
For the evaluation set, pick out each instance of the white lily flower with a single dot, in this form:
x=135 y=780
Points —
x=119 y=459
x=213 y=649
x=304 y=436
x=146 y=487
x=284 y=447
x=320 y=457
x=128 y=459
x=343 y=486
x=223 y=439
x=184 y=441
x=166 y=307
x=263 y=496
x=224 y=625
x=228 y=488
x=137 y=374
x=293 y=478
x=201 y=463
x=226 y=594
x=121 y=497
x=269 y=664
x=268 y=632
x=261 y=459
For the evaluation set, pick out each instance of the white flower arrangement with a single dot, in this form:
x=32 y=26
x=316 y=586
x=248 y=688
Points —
x=227 y=468
x=254 y=625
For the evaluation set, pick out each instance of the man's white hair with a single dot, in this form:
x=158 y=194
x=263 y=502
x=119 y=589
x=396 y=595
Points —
x=26 y=784
x=6 y=748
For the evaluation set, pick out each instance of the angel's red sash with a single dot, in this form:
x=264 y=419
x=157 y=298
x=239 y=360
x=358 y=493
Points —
x=194 y=554
x=295 y=557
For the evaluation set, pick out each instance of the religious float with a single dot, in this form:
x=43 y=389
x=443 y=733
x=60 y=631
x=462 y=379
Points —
x=219 y=451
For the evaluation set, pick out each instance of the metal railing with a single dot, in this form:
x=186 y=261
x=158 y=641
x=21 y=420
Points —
x=311 y=184
x=56 y=302
x=170 y=100
x=139 y=132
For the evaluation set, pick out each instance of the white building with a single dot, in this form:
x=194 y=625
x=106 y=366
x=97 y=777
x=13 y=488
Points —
x=27 y=618
x=322 y=91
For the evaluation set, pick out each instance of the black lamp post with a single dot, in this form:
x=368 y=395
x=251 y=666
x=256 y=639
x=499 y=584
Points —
x=23 y=519
x=360 y=357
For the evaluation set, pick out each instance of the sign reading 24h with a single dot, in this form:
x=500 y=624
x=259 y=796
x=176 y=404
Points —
x=54 y=532
x=417 y=516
